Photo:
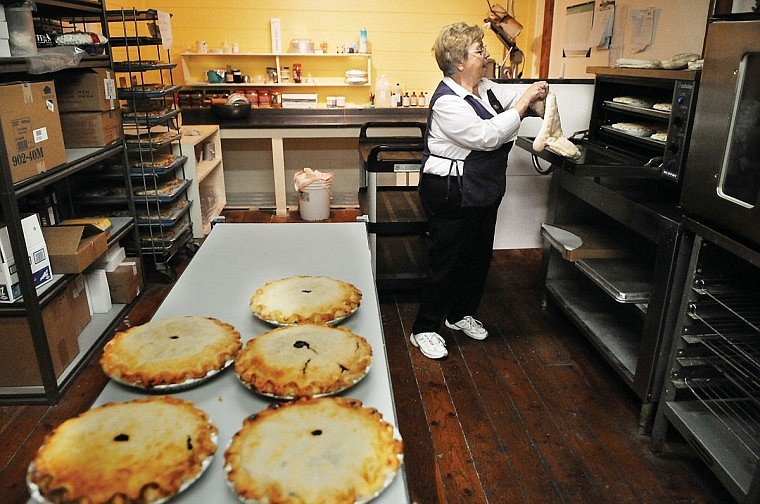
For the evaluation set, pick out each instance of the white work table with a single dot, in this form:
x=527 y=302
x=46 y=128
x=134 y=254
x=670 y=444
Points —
x=232 y=263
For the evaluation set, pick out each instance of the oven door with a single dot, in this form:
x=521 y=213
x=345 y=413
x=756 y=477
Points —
x=722 y=181
x=597 y=160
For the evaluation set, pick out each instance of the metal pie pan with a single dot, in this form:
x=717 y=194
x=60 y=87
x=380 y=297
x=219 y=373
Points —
x=292 y=398
x=174 y=387
x=388 y=479
x=37 y=497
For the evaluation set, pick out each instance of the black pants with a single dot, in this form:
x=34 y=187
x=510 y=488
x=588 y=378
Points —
x=460 y=256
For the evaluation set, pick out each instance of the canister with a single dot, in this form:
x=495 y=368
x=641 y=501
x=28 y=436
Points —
x=275 y=98
x=264 y=100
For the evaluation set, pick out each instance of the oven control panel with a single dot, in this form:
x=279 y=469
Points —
x=679 y=127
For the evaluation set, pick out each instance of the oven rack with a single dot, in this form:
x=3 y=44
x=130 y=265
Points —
x=712 y=390
x=739 y=415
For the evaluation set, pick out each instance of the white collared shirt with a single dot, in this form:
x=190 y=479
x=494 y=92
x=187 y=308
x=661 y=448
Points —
x=456 y=129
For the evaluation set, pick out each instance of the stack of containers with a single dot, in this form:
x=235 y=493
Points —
x=5 y=48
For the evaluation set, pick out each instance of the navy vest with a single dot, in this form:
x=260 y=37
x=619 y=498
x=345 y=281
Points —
x=484 y=175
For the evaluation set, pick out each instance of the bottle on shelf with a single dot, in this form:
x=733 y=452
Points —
x=297 y=73
x=413 y=100
x=405 y=100
x=363 y=41
x=398 y=94
x=421 y=100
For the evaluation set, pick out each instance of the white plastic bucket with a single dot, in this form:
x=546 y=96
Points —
x=314 y=201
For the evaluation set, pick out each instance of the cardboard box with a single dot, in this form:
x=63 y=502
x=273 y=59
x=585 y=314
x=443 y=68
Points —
x=125 y=282
x=64 y=317
x=31 y=128
x=91 y=129
x=89 y=90
x=102 y=223
x=73 y=248
x=10 y=288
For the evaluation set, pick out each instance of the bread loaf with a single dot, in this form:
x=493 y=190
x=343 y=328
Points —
x=679 y=61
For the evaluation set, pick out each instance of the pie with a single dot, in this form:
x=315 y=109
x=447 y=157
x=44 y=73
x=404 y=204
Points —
x=160 y=159
x=305 y=299
x=149 y=138
x=325 y=450
x=304 y=360
x=170 y=351
x=635 y=129
x=633 y=101
x=170 y=212
x=660 y=136
x=145 y=114
x=143 y=450
x=665 y=106
x=164 y=190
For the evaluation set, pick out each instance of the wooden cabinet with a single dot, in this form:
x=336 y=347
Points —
x=202 y=145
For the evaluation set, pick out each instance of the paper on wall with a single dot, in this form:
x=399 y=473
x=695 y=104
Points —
x=165 y=28
x=601 y=29
x=577 y=27
x=642 y=29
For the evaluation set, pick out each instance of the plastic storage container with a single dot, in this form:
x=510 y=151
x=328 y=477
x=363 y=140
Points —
x=22 y=40
x=314 y=201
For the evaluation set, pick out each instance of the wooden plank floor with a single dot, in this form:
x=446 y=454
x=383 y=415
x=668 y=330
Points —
x=531 y=414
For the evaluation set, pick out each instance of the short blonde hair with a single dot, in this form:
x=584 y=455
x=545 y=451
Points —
x=451 y=45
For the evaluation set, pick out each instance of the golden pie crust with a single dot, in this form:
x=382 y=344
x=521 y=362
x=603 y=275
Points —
x=170 y=351
x=324 y=450
x=305 y=300
x=303 y=361
x=138 y=451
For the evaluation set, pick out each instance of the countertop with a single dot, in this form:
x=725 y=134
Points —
x=307 y=118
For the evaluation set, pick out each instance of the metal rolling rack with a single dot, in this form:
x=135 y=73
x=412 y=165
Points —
x=151 y=126
x=711 y=394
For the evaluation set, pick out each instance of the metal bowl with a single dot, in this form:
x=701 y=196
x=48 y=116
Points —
x=231 y=111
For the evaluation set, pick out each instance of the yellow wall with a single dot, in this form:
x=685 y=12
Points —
x=400 y=32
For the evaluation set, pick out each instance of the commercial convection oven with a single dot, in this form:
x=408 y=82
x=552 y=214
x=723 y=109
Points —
x=711 y=393
x=640 y=124
x=619 y=201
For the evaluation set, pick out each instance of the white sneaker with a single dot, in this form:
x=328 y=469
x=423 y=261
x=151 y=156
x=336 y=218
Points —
x=431 y=344
x=471 y=327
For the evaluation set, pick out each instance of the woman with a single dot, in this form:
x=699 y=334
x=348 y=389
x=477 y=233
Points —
x=471 y=126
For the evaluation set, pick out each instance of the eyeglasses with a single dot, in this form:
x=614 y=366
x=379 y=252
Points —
x=481 y=52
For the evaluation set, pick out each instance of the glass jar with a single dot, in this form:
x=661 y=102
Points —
x=271 y=75
x=285 y=74
x=275 y=98
x=264 y=101
x=297 y=73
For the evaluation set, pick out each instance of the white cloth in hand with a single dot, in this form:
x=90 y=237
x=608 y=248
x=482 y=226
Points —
x=550 y=135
